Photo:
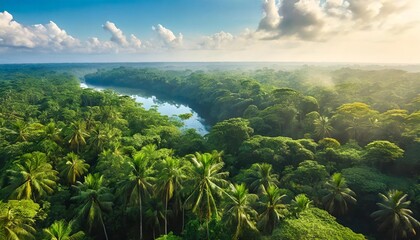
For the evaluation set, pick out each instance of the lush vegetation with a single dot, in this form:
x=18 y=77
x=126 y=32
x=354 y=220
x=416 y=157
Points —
x=84 y=164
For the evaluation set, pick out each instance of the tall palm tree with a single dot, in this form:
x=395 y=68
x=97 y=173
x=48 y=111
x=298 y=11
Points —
x=394 y=216
x=94 y=199
x=238 y=209
x=260 y=176
x=323 y=127
x=155 y=213
x=207 y=180
x=273 y=209
x=138 y=183
x=299 y=204
x=60 y=230
x=73 y=168
x=339 y=195
x=32 y=177
x=170 y=181
x=78 y=134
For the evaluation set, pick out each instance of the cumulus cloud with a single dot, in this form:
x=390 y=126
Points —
x=271 y=18
x=217 y=40
x=118 y=37
x=320 y=19
x=168 y=37
x=48 y=36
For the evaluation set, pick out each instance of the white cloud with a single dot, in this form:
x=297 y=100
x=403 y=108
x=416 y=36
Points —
x=117 y=35
x=135 y=42
x=47 y=37
x=271 y=18
x=51 y=38
x=217 y=41
x=168 y=37
x=12 y=34
x=322 y=19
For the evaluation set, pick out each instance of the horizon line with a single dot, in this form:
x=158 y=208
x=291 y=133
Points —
x=214 y=62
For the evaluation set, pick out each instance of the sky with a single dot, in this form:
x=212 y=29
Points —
x=345 y=31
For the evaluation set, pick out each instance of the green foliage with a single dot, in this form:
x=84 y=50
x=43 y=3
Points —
x=339 y=195
x=169 y=236
x=60 y=230
x=73 y=168
x=46 y=121
x=314 y=224
x=394 y=217
x=214 y=229
x=259 y=177
x=190 y=142
x=137 y=184
x=328 y=143
x=382 y=152
x=208 y=181
x=368 y=182
x=170 y=181
x=357 y=119
x=17 y=219
x=228 y=135
x=300 y=204
x=93 y=201
x=31 y=178
x=323 y=127
x=273 y=209
x=239 y=212
x=263 y=149
x=307 y=178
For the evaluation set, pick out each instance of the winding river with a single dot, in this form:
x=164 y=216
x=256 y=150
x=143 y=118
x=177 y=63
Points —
x=164 y=107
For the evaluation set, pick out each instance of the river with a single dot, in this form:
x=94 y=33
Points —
x=164 y=107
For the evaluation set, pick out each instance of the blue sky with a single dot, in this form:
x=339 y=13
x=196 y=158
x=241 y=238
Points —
x=209 y=30
x=85 y=17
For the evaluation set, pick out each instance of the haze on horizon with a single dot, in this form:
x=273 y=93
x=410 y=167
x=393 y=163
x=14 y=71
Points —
x=375 y=31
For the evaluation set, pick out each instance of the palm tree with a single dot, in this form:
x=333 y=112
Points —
x=238 y=209
x=260 y=176
x=273 y=209
x=32 y=177
x=60 y=230
x=171 y=175
x=94 y=199
x=138 y=183
x=21 y=130
x=78 y=134
x=339 y=195
x=109 y=114
x=155 y=213
x=207 y=180
x=394 y=216
x=17 y=220
x=52 y=132
x=101 y=137
x=24 y=130
x=323 y=127
x=74 y=168
x=299 y=204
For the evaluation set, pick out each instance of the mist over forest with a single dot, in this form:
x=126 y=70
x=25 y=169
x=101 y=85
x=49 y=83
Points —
x=293 y=151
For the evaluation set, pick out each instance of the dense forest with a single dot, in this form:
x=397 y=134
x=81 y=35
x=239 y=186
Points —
x=305 y=154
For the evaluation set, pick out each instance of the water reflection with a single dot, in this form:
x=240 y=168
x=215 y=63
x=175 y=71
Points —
x=168 y=108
